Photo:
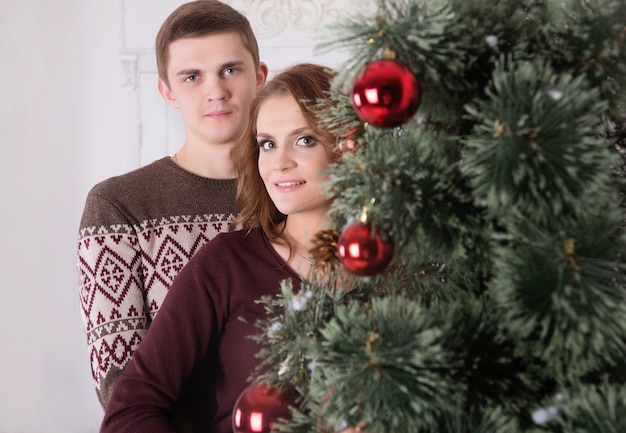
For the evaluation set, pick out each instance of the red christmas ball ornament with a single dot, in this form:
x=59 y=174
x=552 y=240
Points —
x=259 y=406
x=386 y=93
x=364 y=251
x=346 y=140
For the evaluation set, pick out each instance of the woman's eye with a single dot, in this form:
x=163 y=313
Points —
x=266 y=144
x=306 y=141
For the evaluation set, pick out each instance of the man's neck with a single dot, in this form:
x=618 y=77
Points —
x=214 y=162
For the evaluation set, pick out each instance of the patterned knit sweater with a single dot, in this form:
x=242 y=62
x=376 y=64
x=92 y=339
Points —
x=137 y=232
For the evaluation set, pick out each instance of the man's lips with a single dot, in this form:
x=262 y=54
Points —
x=218 y=113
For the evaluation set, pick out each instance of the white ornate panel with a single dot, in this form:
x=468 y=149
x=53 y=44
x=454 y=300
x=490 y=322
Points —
x=272 y=17
x=287 y=30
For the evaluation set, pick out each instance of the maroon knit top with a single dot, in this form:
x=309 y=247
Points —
x=197 y=356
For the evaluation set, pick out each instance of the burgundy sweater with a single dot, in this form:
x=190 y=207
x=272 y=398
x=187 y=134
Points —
x=197 y=356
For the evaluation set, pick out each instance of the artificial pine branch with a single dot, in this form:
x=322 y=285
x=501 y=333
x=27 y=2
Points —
x=504 y=307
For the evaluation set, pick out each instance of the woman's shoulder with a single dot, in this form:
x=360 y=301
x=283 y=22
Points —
x=254 y=234
x=235 y=250
x=237 y=240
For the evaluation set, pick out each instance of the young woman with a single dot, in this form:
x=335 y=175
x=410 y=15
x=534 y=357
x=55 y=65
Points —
x=197 y=356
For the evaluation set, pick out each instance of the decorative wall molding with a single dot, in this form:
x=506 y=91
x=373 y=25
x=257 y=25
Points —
x=272 y=17
x=129 y=63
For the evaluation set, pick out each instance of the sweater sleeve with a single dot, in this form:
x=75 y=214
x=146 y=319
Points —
x=110 y=289
x=181 y=336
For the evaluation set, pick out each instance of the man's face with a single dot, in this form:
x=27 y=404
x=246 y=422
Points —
x=212 y=81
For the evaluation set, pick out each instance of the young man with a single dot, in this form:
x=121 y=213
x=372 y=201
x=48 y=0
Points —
x=139 y=229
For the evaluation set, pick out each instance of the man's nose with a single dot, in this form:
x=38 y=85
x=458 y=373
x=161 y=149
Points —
x=215 y=89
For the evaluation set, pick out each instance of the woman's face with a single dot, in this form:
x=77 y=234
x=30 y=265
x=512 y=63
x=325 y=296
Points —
x=292 y=160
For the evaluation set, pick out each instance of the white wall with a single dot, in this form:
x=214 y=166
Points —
x=57 y=136
x=67 y=121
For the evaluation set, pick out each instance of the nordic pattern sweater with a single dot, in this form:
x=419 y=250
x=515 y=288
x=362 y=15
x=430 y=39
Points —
x=197 y=356
x=137 y=232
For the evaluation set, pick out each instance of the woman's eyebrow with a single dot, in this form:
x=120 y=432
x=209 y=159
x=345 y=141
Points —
x=301 y=130
x=293 y=133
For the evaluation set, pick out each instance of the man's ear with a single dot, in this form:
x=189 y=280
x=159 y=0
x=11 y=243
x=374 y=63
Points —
x=167 y=93
x=261 y=76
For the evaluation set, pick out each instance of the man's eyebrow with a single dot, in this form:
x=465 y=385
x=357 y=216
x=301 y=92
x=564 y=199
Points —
x=188 y=72
x=221 y=67
x=231 y=64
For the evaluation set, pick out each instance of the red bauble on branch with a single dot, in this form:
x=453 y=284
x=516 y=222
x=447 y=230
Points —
x=364 y=251
x=386 y=93
x=346 y=140
x=259 y=406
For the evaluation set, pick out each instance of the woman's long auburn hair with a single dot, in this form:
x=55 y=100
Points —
x=309 y=84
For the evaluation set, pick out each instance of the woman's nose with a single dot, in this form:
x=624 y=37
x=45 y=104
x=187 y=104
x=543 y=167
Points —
x=284 y=159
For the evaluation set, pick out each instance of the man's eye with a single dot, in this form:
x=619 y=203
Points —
x=230 y=71
x=191 y=78
x=266 y=144
x=306 y=141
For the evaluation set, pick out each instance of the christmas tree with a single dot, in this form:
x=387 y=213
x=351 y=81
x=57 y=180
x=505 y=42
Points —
x=476 y=279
